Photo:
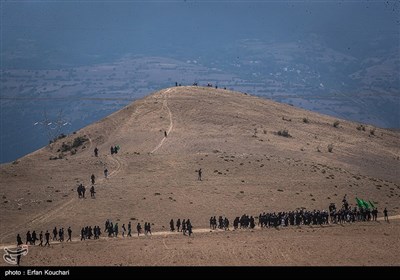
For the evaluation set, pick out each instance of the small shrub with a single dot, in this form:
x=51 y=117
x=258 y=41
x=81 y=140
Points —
x=65 y=147
x=61 y=136
x=336 y=124
x=79 y=141
x=330 y=148
x=361 y=127
x=284 y=133
x=372 y=131
x=305 y=120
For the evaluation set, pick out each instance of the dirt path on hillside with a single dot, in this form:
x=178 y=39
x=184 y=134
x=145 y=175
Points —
x=167 y=233
x=171 y=124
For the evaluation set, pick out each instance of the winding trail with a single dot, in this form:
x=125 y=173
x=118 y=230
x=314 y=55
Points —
x=171 y=124
x=115 y=171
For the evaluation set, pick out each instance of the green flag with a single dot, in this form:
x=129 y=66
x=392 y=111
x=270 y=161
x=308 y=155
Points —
x=365 y=204
x=359 y=202
x=370 y=203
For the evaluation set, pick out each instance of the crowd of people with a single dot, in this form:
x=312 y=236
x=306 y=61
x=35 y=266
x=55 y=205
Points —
x=223 y=223
x=185 y=224
x=195 y=84
x=346 y=214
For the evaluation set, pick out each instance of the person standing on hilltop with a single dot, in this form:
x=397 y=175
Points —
x=96 y=152
x=165 y=134
x=92 y=178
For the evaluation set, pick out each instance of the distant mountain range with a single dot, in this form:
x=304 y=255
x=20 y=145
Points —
x=304 y=73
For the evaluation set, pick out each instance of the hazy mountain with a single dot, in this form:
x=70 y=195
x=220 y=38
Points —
x=92 y=58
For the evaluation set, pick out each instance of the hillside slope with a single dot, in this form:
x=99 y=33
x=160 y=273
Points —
x=247 y=167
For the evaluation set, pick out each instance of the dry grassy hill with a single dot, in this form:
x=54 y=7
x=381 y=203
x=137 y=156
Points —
x=247 y=166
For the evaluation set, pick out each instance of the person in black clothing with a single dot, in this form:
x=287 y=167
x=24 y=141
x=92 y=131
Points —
x=92 y=192
x=41 y=238
x=200 y=172
x=55 y=232
x=189 y=227
x=139 y=229
x=178 y=224
x=61 y=234
x=165 y=134
x=19 y=240
x=92 y=178
x=149 y=228
x=385 y=213
x=69 y=234
x=19 y=249
x=129 y=229
x=28 y=237
x=123 y=230
x=47 y=235
x=96 y=152
x=34 y=237
x=79 y=190
x=184 y=227
x=112 y=150
x=83 y=235
x=171 y=225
